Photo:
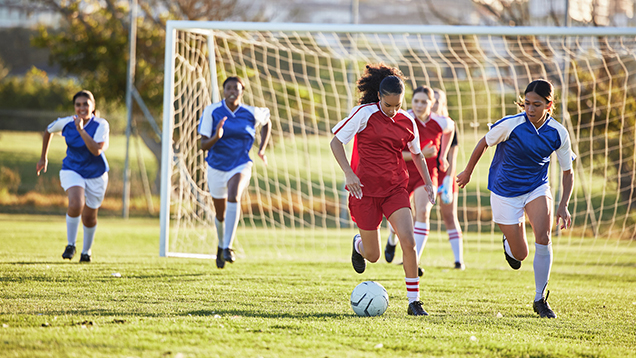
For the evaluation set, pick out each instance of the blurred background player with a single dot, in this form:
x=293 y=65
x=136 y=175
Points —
x=448 y=190
x=518 y=181
x=228 y=131
x=436 y=132
x=377 y=176
x=84 y=174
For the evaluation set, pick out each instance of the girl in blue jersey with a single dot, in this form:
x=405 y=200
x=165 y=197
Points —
x=84 y=174
x=518 y=181
x=228 y=131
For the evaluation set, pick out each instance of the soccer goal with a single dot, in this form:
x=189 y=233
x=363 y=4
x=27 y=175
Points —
x=306 y=73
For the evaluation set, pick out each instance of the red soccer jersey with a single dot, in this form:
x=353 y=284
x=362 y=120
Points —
x=430 y=133
x=379 y=140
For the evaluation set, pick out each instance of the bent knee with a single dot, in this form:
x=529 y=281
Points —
x=374 y=257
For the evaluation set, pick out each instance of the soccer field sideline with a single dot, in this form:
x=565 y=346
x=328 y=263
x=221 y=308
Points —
x=263 y=306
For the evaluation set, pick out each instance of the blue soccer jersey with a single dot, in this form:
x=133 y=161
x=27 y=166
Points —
x=239 y=132
x=521 y=160
x=78 y=158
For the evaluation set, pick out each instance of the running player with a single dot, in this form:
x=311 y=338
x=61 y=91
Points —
x=377 y=176
x=518 y=181
x=436 y=132
x=84 y=174
x=228 y=131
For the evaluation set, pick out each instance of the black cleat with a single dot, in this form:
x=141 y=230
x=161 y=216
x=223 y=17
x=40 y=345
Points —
x=220 y=261
x=357 y=260
x=415 y=309
x=228 y=255
x=389 y=252
x=460 y=266
x=420 y=272
x=514 y=263
x=85 y=258
x=543 y=308
x=69 y=252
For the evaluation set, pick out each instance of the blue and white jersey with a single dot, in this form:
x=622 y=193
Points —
x=523 y=154
x=78 y=158
x=239 y=132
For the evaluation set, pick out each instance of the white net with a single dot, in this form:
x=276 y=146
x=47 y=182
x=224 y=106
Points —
x=306 y=77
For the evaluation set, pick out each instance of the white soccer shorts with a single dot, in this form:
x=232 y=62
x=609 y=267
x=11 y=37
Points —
x=217 y=179
x=509 y=211
x=94 y=188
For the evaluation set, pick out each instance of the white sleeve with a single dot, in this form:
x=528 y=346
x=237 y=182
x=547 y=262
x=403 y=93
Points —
x=58 y=124
x=261 y=116
x=564 y=152
x=414 y=145
x=499 y=132
x=205 y=122
x=444 y=122
x=102 y=132
x=347 y=128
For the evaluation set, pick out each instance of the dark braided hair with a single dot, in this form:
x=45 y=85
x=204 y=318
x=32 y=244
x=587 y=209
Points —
x=541 y=87
x=379 y=78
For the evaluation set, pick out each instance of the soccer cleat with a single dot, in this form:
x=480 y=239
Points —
x=420 y=272
x=69 y=252
x=460 y=266
x=85 y=258
x=228 y=255
x=514 y=263
x=415 y=309
x=389 y=252
x=357 y=260
x=543 y=308
x=220 y=261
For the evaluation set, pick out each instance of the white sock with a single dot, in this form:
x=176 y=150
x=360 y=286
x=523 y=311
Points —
x=358 y=245
x=542 y=265
x=508 y=251
x=412 y=288
x=421 y=236
x=392 y=239
x=456 y=241
x=72 y=226
x=220 y=230
x=89 y=236
x=232 y=216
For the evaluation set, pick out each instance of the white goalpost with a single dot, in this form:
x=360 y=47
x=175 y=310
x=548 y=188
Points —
x=306 y=73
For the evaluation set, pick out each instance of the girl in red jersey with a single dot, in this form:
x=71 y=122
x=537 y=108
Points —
x=377 y=177
x=436 y=132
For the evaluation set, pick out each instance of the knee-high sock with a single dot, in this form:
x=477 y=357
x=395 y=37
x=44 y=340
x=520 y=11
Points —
x=72 y=226
x=421 y=236
x=412 y=288
x=232 y=216
x=542 y=265
x=358 y=245
x=220 y=231
x=392 y=239
x=456 y=241
x=89 y=236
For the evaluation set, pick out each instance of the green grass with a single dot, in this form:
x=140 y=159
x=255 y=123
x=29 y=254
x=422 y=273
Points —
x=293 y=301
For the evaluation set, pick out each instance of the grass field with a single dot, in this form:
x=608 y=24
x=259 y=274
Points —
x=296 y=305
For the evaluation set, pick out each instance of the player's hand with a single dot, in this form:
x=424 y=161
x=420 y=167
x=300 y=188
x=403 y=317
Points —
x=429 y=151
x=353 y=185
x=430 y=190
x=79 y=123
x=219 y=128
x=263 y=157
x=463 y=178
x=563 y=215
x=444 y=164
x=42 y=166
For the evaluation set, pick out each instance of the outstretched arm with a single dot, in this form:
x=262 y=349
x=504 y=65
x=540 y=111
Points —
x=46 y=143
x=464 y=177
x=562 y=211
x=352 y=182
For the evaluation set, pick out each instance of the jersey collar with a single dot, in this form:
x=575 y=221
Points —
x=532 y=125
x=380 y=108
x=229 y=110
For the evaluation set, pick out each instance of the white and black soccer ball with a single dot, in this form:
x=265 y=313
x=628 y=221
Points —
x=369 y=299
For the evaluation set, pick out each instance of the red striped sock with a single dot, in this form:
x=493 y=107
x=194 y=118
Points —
x=412 y=289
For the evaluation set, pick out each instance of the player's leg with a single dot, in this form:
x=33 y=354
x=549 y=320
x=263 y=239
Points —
x=391 y=243
x=423 y=208
x=402 y=222
x=95 y=190
x=454 y=230
x=217 y=184
x=73 y=219
x=235 y=187
x=508 y=214
x=539 y=212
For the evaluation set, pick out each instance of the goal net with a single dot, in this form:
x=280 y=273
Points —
x=305 y=74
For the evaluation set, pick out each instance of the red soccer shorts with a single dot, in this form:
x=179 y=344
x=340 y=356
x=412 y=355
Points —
x=367 y=212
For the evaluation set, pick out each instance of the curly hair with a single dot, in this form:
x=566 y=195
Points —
x=373 y=81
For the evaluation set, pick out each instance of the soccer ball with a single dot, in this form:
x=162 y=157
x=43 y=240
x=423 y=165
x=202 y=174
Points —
x=369 y=299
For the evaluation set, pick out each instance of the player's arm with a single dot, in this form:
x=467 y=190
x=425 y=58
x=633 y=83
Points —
x=46 y=143
x=208 y=142
x=418 y=160
x=266 y=132
x=447 y=138
x=452 y=161
x=464 y=177
x=562 y=211
x=352 y=182
x=93 y=147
